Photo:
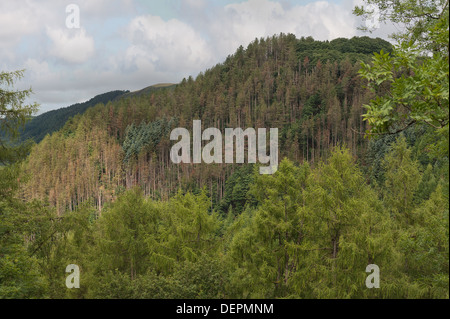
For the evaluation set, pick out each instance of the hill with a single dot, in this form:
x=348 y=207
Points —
x=146 y=91
x=52 y=121
x=273 y=83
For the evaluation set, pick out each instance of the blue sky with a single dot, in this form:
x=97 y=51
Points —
x=131 y=44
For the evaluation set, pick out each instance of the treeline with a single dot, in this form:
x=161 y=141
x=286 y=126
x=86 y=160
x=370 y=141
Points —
x=304 y=232
x=308 y=89
x=47 y=123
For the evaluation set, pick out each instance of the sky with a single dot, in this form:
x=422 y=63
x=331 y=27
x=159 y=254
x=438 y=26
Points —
x=132 y=44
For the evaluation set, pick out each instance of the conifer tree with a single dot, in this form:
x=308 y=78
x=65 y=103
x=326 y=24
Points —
x=402 y=178
x=345 y=230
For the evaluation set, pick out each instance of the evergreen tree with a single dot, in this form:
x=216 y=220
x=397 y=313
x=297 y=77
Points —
x=346 y=229
x=13 y=116
x=402 y=180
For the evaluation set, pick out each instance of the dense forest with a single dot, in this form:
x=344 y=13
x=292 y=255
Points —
x=272 y=83
x=102 y=192
x=49 y=122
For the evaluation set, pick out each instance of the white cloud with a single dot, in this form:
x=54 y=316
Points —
x=104 y=8
x=171 y=45
x=241 y=23
x=22 y=26
x=197 y=4
x=71 y=45
x=124 y=45
x=15 y=23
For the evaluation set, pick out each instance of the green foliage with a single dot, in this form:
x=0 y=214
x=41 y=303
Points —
x=19 y=269
x=148 y=249
x=310 y=233
x=13 y=116
x=418 y=19
x=427 y=185
x=237 y=189
x=346 y=230
x=205 y=279
x=411 y=84
x=425 y=248
x=145 y=137
x=23 y=229
x=354 y=49
x=313 y=106
x=408 y=76
x=124 y=231
x=265 y=250
x=402 y=180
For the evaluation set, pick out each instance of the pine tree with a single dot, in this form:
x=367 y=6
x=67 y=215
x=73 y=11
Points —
x=266 y=251
x=402 y=178
x=345 y=230
x=13 y=116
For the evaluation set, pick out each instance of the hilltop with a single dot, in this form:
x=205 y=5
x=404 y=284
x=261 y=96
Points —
x=308 y=89
x=47 y=123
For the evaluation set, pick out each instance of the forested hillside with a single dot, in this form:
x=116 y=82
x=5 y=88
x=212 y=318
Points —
x=308 y=89
x=52 y=121
x=102 y=192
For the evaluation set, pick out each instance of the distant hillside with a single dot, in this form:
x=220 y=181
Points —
x=52 y=121
x=147 y=90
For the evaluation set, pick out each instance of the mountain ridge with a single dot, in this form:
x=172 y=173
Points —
x=46 y=123
x=308 y=89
